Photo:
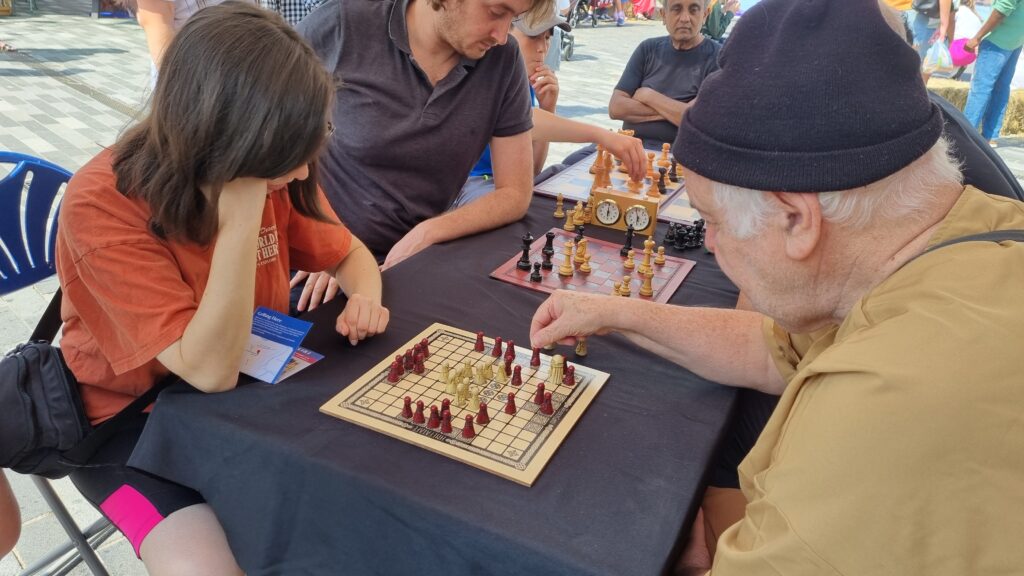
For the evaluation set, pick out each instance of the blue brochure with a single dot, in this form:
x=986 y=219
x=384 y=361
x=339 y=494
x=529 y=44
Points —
x=275 y=338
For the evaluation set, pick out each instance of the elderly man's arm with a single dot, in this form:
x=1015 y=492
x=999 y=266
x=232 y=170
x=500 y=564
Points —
x=668 y=108
x=723 y=345
x=626 y=108
x=512 y=159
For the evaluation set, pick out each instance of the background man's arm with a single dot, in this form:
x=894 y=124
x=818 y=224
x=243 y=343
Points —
x=668 y=108
x=156 y=17
x=626 y=108
x=512 y=159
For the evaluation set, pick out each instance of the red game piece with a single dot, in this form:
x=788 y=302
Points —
x=446 y=405
x=546 y=407
x=517 y=375
x=468 y=431
x=510 y=351
x=482 y=417
x=407 y=408
x=569 y=378
x=435 y=419
x=400 y=362
x=417 y=365
x=539 y=397
x=508 y=365
x=479 y=346
x=496 y=352
x=418 y=418
x=510 y=406
x=446 y=422
x=408 y=359
x=425 y=345
x=535 y=359
x=393 y=373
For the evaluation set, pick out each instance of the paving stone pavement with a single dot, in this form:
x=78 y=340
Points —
x=75 y=82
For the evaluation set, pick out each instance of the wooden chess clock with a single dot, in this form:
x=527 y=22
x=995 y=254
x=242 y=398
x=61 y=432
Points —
x=618 y=209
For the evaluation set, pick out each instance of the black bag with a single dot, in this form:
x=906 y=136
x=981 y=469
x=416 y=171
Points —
x=929 y=8
x=43 y=428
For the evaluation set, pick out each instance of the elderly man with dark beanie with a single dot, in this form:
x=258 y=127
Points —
x=887 y=306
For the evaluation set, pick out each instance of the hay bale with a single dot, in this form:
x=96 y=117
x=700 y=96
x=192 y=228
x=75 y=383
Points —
x=956 y=93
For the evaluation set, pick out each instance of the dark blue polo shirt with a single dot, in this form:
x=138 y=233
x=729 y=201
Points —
x=402 y=149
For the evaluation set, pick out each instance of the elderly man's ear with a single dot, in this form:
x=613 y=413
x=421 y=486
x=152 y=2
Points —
x=798 y=218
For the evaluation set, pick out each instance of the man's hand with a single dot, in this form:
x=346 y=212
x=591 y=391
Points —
x=414 y=241
x=732 y=6
x=567 y=316
x=545 y=85
x=972 y=45
x=362 y=317
x=320 y=288
x=628 y=149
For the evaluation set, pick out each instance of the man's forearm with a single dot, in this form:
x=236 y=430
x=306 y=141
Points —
x=504 y=205
x=548 y=127
x=722 y=345
x=624 y=107
x=994 y=20
x=668 y=108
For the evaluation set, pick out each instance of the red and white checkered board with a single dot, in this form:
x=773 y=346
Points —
x=516 y=447
x=606 y=269
x=574 y=182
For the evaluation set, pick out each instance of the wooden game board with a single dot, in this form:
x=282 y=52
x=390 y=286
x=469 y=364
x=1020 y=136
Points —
x=677 y=209
x=574 y=182
x=606 y=269
x=516 y=447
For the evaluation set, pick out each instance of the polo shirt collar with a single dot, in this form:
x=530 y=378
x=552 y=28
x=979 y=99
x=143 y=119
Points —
x=398 y=29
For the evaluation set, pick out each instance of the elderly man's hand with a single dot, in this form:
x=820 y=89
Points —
x=568 y=316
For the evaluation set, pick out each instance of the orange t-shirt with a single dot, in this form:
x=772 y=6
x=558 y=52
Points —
x=128 y=294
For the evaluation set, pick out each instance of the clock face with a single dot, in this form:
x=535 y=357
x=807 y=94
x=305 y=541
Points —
x=637 y=217
x=608 y=212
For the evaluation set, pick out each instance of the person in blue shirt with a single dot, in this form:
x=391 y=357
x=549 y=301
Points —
x=534 y=43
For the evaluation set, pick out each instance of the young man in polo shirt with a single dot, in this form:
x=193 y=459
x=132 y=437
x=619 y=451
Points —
x=426 y=85
x=663 y=75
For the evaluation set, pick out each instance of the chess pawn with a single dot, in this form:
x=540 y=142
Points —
x=646 y=289
x=559 y=212
x=629 y=264
x=566 y=268
x=663 y=161
x=650 y=167
x=634 y=186
x=606 y=176
x=625 y=290
x=569 y=216
x=660 y=258
x=617 y=289
x=652 y=190
x=585 y=268
x=598 y=160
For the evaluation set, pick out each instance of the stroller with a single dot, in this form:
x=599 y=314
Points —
x=583 y=10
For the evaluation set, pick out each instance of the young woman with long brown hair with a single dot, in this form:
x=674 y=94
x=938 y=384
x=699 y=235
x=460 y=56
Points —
x=170 y=239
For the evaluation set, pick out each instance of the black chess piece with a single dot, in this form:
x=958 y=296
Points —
x=535 y=276
x=672 y=174
x=694 y=241
x=524 y=260
x=546 y=264
x=670 y=236
x=549 y=245
x=624 y=251
x=579 y=234
x=681 y=236
x=661 y=180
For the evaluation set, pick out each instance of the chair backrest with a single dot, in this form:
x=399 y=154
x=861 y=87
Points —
x=981 y=165
x=29 y=204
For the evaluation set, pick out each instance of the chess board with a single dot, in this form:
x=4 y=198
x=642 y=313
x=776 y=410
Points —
x=516 y=447
x=677 y=209
x=606 y=269
x=574 y=182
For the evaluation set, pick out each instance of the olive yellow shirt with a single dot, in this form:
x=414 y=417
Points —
x=897 y=447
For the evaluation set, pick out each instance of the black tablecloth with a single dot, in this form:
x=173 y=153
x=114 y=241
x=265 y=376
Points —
x=299 y=492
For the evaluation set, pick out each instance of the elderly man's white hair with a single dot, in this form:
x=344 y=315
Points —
x=900 y=197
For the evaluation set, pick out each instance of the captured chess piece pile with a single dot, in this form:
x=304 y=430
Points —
x=464 y=383
x=685 y=236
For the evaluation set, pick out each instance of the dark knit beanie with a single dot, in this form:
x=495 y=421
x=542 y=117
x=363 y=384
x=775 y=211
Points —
x=811 y=96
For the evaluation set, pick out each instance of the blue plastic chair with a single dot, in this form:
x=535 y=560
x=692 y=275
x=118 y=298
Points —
x=29 y=205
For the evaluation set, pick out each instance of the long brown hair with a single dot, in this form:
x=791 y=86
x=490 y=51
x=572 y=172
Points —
x=240 y=94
